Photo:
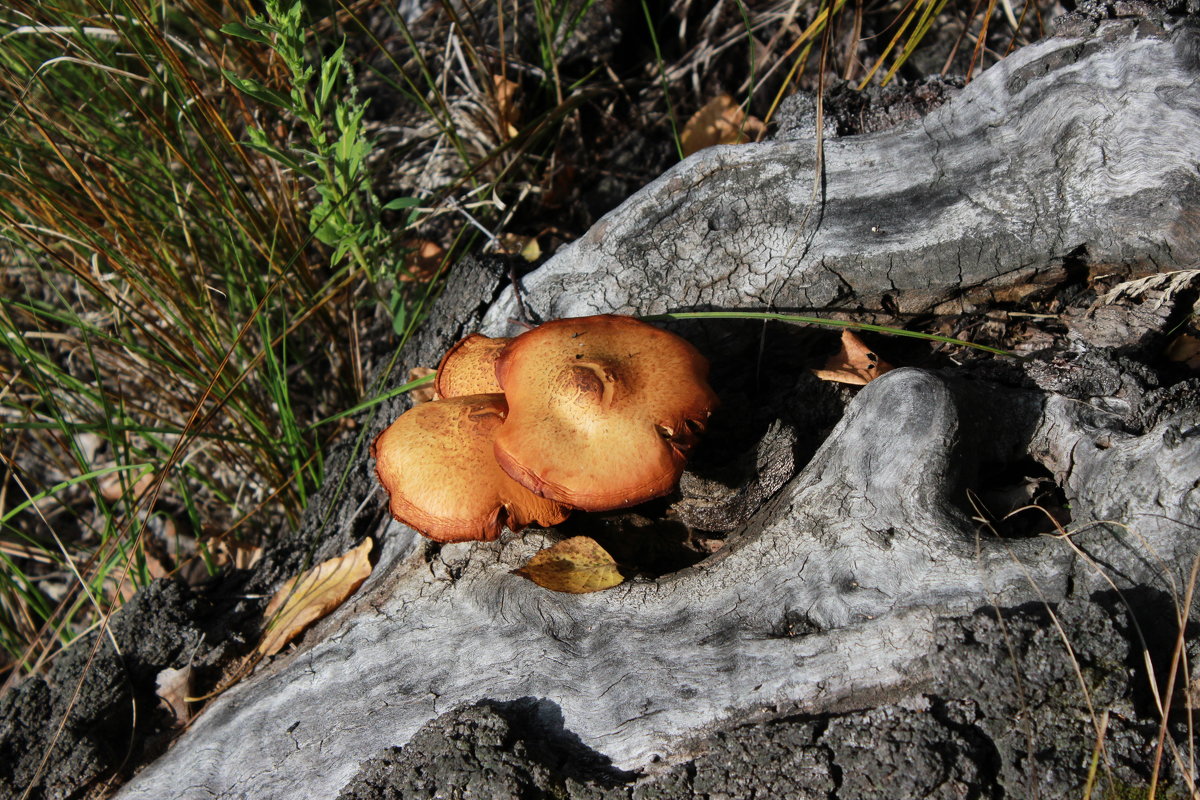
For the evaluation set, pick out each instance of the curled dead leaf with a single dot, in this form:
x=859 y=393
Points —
x=173 y=686
x=577 y=565
x=514 y=244
x=719 y=121
x=312 y=595
x=854 y=363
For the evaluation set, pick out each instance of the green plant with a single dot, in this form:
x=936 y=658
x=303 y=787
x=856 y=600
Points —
x=825 y=322
x=164 y=308
x=324 y=99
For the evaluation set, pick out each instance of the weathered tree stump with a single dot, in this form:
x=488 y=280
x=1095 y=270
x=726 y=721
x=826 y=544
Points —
x=845 y=595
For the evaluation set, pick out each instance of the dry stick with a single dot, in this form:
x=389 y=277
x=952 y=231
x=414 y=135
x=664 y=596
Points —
x=981 y=43
x=1184 y=613
x=817 y=196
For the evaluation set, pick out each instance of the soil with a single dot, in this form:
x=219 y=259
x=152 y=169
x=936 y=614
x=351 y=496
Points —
x=116 y=721
x=1002 y=714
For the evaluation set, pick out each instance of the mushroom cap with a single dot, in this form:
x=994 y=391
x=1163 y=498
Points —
x=437 y=465
x=469 y=367
x=602 y=410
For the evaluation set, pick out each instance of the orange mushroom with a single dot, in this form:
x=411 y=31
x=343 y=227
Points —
x=469 y=367
x=437 y=465
x=602 y=410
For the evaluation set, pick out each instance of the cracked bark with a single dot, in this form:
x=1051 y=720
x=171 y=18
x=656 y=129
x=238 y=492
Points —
x=845 y=588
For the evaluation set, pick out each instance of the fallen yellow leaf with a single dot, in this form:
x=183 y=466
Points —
x=513 y=244
x=317 y=592
x=855 y=363
x=719 y=121
x=577 y=565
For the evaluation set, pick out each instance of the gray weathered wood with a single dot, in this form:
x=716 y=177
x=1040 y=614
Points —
x=829 y=594
x=861 y=552
x=1070 y=149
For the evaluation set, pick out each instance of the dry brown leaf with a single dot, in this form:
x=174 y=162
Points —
x=156 y=567
x=422 y=394
x=423 y=259
x=576 y=565
x=719 y=121
x=174 y=686
x=318 y=591
x=508 y=108
x=241 y=556
x=1184 y=349
x=855 y=363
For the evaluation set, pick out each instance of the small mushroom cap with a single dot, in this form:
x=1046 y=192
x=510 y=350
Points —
x=602 y=410
x=469 y=367
x=437 y=464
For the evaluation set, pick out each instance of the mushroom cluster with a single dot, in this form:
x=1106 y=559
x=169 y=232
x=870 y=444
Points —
x=591 y=413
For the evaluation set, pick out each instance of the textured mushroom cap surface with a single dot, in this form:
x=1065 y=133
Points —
x=438 y=467
x=469 y=367
x=602 y=410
